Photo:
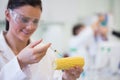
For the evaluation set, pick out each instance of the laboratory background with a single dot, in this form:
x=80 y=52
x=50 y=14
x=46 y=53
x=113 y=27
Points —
x=99 y=48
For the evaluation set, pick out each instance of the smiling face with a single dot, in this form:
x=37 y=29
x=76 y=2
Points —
x=23 y=21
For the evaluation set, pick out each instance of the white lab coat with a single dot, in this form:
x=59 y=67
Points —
x=10 y=69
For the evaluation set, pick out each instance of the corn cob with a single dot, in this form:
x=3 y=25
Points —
x=68 y=62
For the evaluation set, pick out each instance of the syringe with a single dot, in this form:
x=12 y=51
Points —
x=56 y=51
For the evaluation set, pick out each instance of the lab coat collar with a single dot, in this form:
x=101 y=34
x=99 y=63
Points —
x=6 y=50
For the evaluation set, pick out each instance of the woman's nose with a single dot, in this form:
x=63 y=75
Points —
x=30 y=26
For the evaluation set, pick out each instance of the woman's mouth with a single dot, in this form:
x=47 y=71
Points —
x=26 y=32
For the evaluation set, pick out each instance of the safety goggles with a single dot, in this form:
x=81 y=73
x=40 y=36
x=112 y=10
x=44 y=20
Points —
x=23 y=20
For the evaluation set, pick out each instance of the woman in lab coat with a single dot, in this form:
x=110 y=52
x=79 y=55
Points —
x=17 y=55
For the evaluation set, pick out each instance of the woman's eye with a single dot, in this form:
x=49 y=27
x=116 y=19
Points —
x=25 y=20
x=36 y=21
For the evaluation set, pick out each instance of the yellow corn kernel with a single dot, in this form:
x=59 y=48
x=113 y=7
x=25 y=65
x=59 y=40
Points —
x=68 y=62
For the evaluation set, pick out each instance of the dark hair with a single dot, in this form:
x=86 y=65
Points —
x=13 y=4
x=76 y=28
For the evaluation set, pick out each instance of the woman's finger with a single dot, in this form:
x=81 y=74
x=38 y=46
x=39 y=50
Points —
x=42 y=48
x=33 y=44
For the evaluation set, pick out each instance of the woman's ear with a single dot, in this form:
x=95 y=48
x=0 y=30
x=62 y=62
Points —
x=7 y=15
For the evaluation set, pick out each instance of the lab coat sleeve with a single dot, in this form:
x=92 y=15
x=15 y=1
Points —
x=58 y=75
x=12 y=71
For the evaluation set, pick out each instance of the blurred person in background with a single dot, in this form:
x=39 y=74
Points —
x=102 y=30
x=20 y=59
x=102 y=21
x=81 y=44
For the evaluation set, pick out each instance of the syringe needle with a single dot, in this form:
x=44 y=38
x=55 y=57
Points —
x=55 y=51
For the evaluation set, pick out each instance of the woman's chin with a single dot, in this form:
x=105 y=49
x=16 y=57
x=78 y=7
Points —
x=24 y=39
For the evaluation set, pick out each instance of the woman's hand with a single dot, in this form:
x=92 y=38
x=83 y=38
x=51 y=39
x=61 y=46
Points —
x=32 y=54
x=72 y=74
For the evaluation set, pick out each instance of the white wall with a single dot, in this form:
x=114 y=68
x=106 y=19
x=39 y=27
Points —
x=3 y=4
x=60 y=10
x=116 y=10
x=66 y=10
x=70 y=10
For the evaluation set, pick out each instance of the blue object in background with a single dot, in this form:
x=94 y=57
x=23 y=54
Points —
x=104 y=23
